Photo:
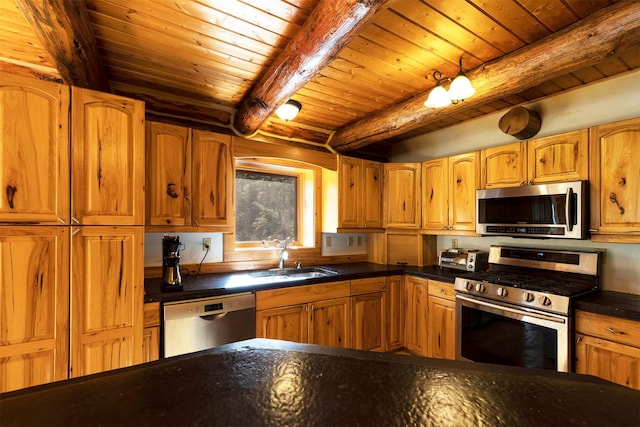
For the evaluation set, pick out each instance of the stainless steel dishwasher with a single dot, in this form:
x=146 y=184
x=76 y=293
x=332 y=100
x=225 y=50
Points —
x=205 y=323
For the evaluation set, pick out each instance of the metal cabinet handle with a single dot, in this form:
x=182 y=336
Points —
x=609 y=329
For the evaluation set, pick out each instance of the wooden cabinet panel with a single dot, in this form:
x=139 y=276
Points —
x=368 y=321
x=615 y=181
x=435 y=195
x=416 y=315
x=212 y=180
x=463 y=181
x=106 y=298
x=559 y=158
x=34 y=151
x=504 y=166
x=372 y=194
x=611 y=361
x=168 y=165
x=329 y=322
x=349 y=192
x=151 y=344
x=402 y=195
x=395 y=313
x=286 y=323
x=441 y=328
x=108 y=159
x=368 y=285
x=34 y=302
x=609 y=328
x=282 y=297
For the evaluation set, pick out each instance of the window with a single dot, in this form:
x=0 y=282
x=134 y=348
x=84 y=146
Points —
x=274 y=201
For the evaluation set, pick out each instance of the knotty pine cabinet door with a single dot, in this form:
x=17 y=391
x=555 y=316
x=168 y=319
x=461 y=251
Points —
x=359 y=193
x=402 y=195
x=107 y=291
x=213 y=180
x=34 y=305
x=284 y=323
x=107 y=159
x=168 y=165
x=504 y=166
x=329 y=322
x=608 y=360
x=435 y=195
x=372 y=194
x=558 y=158
x=615 y=182
x=464 y=180
x=368 y=321
x=417 y=308
x=34 y=151
x=441 y=328
x=395 y=313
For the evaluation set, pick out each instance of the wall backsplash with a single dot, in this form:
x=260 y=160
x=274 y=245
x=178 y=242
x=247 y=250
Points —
x=620 y=266
x=192 y=253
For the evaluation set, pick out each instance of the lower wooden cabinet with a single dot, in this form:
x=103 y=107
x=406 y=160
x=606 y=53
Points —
x=329 y=322
x=284 y=323
x=441 y=328
x=151 y=332
x=608 y=347
x=416 y=306
x=34 y=305
x=395 y=313
x=369 y=314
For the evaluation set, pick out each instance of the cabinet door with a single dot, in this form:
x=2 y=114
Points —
x=349 y=192
x=34 y=151
x=151 y=344
x=168 y=165
x=402 y=195
x=416 y=315
x=611 y=361
x=106 y=298
x=285 y=323
x=504 y=166
x=395 y=313
x=441 y=329
x=108 y=159
x=212 y=199
x=372 y=194
x=559 y=158
x=368 y=321
x=435 y=215
x=329 y=322
x=464 y=180
x=34 y=305
x=615 y=181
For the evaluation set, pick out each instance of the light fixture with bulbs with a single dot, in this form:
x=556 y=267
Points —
x=459 y=90
x=289 y=110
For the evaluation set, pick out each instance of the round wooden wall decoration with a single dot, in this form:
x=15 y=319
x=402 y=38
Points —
x=520 y=122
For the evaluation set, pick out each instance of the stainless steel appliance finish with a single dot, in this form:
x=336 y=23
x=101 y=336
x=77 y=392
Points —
x=520 y=312
x=206 y=323
x=557 y=210
x=463 y=259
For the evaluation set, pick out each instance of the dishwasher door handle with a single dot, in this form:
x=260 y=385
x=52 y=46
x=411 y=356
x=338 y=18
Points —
x=213 y=317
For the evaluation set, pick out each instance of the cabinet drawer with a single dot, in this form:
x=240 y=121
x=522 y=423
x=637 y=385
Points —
x=152 y=314
x=610 y=328
x=365 y=286
x=442 y=290
x=283 y=297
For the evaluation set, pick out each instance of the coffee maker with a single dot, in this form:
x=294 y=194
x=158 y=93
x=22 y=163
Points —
x=171 y=247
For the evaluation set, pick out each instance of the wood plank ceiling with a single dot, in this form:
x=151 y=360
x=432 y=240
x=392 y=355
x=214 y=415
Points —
x=198 y=61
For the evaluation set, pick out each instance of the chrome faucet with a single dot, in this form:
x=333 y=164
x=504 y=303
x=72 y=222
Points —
x=284 y=255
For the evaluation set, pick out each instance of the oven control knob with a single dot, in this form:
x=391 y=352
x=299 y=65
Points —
x=528 y=296
x=468 y=285
x=502 y=292
x=480 y=288
x=544 y=300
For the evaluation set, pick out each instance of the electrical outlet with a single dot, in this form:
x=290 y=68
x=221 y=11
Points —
x=327 y=241
x=350 y=241
x=206 y=243
x=359 y=241
x=454 y=243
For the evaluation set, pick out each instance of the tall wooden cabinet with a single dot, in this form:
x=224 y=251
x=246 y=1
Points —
x=190 y=178
x=402 y=195
x=359 y=193
x=615 y=182
x=34 y=305
x=416 y=314
x=34 y=154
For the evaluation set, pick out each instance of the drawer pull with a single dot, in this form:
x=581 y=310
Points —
x=610 y=329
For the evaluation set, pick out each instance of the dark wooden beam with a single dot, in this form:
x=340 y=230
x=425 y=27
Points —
x=63 y=29
x=590 y=41
x=331 y=25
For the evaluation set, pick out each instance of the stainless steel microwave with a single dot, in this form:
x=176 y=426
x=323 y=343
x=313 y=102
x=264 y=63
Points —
x=559 y=210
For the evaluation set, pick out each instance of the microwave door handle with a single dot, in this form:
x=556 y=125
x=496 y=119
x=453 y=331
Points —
x=568 y=210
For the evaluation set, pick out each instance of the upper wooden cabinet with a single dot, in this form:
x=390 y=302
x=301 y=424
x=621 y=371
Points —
x=34 y=305
x=34 y=151
x=615 y=182
x=168 y=191
x=107 y=291
x=435 y=194
x=555 y=158
x=402 y=195
x=107 y=159
x=359 y=193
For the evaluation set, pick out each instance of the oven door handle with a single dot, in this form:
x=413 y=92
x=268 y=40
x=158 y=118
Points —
x=517 y=312
x=568 y=209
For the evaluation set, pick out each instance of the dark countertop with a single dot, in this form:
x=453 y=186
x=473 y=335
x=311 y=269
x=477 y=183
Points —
x=208 y=285
x=616 y=304
x=267 y=382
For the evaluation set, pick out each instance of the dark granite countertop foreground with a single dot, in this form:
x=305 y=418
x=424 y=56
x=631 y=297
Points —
x=267 y=382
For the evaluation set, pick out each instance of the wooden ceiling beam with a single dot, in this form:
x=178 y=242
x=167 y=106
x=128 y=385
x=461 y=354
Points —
x=63 y=29
x=331 y=25
x=608 y=32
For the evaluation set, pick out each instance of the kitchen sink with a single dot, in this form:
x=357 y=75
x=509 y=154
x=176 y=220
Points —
x=278 y=274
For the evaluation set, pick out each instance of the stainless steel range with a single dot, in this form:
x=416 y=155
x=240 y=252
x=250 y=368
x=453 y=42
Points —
x=520 y=311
